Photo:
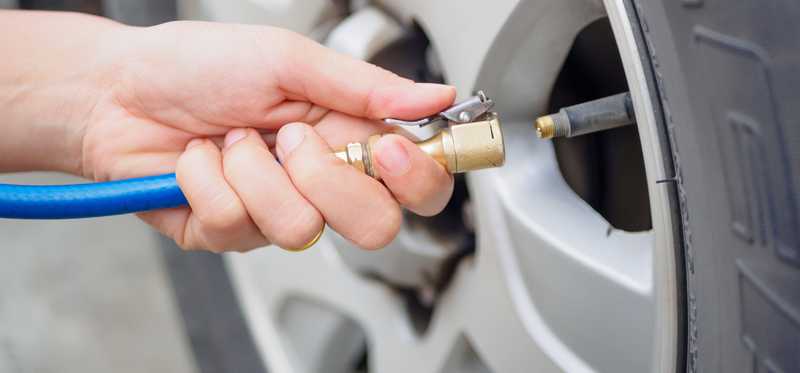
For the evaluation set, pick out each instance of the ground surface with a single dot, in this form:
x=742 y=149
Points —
x=86 y=296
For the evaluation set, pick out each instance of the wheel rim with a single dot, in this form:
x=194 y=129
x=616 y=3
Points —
x=549 y=288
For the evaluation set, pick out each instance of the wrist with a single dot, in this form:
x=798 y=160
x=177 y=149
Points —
x=49 y=88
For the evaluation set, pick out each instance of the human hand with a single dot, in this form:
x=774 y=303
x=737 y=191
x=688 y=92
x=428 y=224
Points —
x=247 y=116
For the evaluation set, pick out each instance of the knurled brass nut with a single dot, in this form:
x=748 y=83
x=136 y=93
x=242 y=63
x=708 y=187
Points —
x=355 y=156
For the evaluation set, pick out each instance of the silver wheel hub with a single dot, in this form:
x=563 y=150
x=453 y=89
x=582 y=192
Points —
x=550 y=287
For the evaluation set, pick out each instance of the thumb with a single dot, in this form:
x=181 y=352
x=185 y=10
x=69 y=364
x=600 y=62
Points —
x=339 y=82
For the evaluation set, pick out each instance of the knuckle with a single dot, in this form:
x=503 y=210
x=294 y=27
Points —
x=183 y=239
x=244 y=152
x=196 y=237
x=234 y=158
x=372 y=104
x=191 y=158
x=411 y=199
x=216 y=248
x=376 y=101
x=427 y=197
x=298 y=229
x=314 y=174
x=215 y=245
x=222 y=220
x=185 y=245
x=417 y=192
x=381 y=232
x=202 y=245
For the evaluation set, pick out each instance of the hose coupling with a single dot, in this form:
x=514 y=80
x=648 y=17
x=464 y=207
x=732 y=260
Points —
x=458 y=147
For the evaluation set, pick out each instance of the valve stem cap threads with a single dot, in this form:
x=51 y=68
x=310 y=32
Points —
x=545 y=128
x=553 y=125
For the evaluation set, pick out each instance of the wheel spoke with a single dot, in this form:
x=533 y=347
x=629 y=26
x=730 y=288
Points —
x=269 y=278
x=565 y=303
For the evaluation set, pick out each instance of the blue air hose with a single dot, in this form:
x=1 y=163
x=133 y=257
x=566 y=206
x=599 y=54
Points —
x=90 y=199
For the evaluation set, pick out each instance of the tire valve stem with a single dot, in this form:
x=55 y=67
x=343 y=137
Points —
x=592 y=116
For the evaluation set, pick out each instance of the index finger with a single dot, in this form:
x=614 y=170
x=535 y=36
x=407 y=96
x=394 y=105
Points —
x=342 y=83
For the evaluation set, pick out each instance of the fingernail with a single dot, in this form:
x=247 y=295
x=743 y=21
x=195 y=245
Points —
x=233 y=136
x=289 y=137
x=193 y=143
x=392 y=156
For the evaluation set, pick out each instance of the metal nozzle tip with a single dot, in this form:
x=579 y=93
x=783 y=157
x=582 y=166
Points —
x=545 y=127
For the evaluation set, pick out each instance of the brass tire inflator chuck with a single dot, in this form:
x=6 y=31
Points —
x=458 y=148
x=598 y=115
x=471 y=140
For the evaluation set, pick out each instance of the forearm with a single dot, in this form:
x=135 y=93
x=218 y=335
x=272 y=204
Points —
x=54 y=68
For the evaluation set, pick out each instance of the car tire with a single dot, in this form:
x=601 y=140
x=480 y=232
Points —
x=727 y=77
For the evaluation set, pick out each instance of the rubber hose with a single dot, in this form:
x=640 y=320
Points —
x=90 y=199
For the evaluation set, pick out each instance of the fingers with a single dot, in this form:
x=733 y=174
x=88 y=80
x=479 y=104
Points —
x=417 y=181
x=355 y=205
x=340 y=129
x=281 y=213
x=243 y=198
x=218 y=220
x=342 y=83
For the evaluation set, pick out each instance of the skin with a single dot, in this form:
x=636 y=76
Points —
x=246 y=116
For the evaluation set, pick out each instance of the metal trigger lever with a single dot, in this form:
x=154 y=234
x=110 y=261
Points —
x=462 y=112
